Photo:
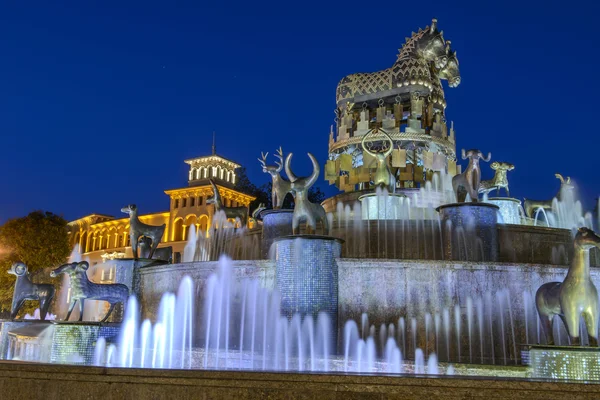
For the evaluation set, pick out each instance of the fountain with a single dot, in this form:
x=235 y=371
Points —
x=408 y=272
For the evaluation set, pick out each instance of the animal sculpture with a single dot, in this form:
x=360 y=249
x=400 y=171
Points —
x=161 y=253
x=574 y=297
x=83 y=289
x=280 y=186
x=500 y=180
x=468 y=181
x=531 y=206
x=420 y=60
x=137 y=229
x=240 y=213
x=304 y=209
x=383 y=176
x=27 y=290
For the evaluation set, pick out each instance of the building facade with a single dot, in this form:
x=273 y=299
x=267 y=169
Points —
x=99 y=237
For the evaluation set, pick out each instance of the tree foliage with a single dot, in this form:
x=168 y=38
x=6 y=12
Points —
x=40 y=240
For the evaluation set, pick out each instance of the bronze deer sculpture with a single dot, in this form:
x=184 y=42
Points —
x=137 y=229
x=280 y=186
x=573 y=297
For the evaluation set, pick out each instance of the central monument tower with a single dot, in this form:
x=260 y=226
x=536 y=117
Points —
x=405 y=103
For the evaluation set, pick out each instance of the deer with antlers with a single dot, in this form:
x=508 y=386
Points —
x=281 y=186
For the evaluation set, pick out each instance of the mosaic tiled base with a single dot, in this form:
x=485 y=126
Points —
x=565 y=362
x=276 y=223
x=469 y=231
x=510 y=209
x=306 y=275
x=70 y=343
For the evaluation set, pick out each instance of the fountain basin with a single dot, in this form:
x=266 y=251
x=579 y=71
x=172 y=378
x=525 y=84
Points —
x=469 y=231
x=276 y=223
x=382 y=206
x=509 y=211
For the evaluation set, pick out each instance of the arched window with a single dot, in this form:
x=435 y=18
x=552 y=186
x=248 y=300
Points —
x=203 y=224
x=178 y=230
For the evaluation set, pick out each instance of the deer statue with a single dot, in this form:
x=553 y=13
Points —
x=500 y=180
x=83 y=289
x=137 y=229
x=468 y=181
x=573 y=297
x=383 y=176
x=230 y=212
x=531 y=206
x=304 y=210
x=281 y=186
x=161 y=253
x=27 y=290
x=255 y=215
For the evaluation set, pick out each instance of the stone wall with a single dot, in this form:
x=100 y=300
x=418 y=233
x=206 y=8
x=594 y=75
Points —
x=20 y=381
x=390 y=289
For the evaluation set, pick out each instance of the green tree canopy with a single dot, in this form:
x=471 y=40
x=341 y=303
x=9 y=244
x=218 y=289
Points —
x=40 y=240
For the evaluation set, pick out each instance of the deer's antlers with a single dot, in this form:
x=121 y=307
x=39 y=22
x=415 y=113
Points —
x=263 y=160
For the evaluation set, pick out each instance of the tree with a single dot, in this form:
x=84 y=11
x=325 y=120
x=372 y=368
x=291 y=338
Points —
x=40 y=240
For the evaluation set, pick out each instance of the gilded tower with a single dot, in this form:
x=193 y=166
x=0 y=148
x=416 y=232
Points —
x=406 y=102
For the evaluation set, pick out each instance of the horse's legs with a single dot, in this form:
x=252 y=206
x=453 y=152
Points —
x=71 y=307
x=571 y=320
x=110 y=310
x=590 y=317
x=134 y=245
x=81 y=304
x=16 y=307
x=44 y=304
x=154 y=246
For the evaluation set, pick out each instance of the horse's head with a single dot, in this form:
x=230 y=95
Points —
x=19 y=269
x=450 y=71
x=586 y=239
x=130 y=209
x=502 y=166
x=431 y=46
x=70 y=268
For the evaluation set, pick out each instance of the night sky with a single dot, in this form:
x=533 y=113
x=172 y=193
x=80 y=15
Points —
x=100 y=104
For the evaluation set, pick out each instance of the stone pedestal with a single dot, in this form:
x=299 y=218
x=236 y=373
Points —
x=565 y=362
x=388 y=206
x=509 y=209
x=276 y=223
x=469 y=231
x=306 y=276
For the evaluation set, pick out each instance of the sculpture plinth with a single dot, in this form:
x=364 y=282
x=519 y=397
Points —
x=565 y=362
x=509 y=209
x=306 y=276
x=276 y=223
x=469 y=231
x=387 y=206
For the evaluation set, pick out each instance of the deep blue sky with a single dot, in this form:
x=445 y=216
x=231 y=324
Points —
x=101 y=103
